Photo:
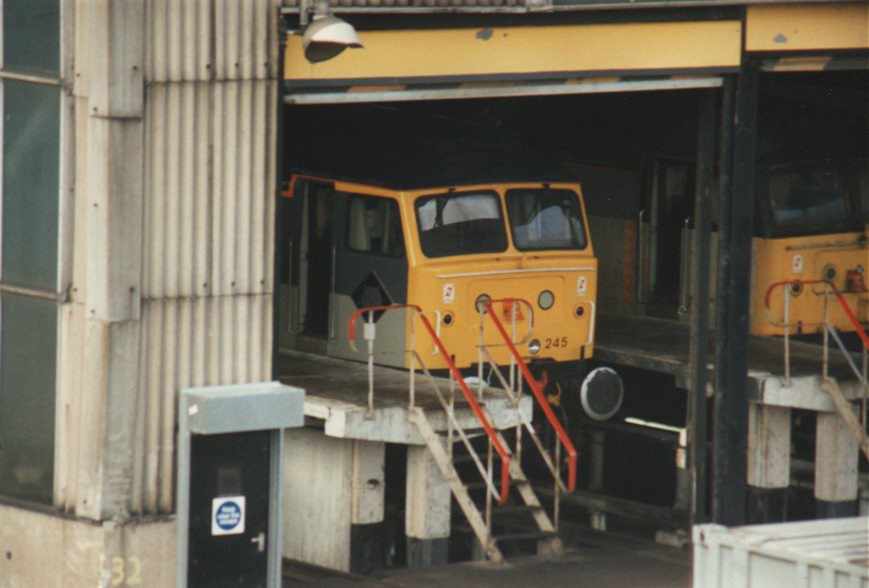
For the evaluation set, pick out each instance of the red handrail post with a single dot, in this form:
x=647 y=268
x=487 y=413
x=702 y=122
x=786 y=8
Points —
x=849 y=313
x=537 y=390
x=502 y=451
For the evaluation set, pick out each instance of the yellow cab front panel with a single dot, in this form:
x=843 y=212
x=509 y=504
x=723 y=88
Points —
x=838 y=257
x=525 y=253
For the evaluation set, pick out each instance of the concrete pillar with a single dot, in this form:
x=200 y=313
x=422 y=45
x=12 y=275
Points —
x=595 y=481
x=684 y=475
x=112 y=225
x=836 y=461
x=368 y=480
x=864 y=497
x=597 y=519
x=427 y=511
x=335 y=486
x=769 y=456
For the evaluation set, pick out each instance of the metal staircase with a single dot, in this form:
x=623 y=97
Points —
x=830 y=385
x=480 y=511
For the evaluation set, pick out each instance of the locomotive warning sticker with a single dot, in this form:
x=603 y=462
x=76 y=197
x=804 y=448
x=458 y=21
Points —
x=449 y=293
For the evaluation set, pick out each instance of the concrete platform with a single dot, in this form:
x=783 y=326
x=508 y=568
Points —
x=662 y=346
x=594 y=559
x=336 y=394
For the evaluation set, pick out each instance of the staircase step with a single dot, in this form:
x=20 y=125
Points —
x=514 y=509
x=470 y=433
x=475 y=486
x=525 y=535
x=467 y=458
x=514 y=483
x=509 y=510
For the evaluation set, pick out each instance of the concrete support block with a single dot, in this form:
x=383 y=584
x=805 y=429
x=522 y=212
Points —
x=769 y=453
x=45 y=550
x=769 y=446
x=369 y=482
x=684 y=485
x=766 y=505
x=117 y=57
x=107 y=415
x=598 y=441
x=368 y=546
x=864 y=497
x=836 y=510
x=597 y=520
x=333 y=500
x=425 y=553
x=836 y=460
x=115 y=218
x=427 y=514
x=316 y=502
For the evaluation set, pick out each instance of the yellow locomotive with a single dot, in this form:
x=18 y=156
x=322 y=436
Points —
x=812 y=226
x=448 y=250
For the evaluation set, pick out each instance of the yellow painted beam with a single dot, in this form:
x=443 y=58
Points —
x=807 y=27
x=518 y=51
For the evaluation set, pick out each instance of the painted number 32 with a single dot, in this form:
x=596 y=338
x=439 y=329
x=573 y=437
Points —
x=551 y=342
x=124 y=572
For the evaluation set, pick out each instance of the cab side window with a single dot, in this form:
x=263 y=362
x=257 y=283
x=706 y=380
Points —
x=374 y=226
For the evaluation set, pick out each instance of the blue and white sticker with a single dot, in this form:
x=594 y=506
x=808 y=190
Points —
x=227 y=515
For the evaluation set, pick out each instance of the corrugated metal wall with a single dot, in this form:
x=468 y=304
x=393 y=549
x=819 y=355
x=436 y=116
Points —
x=209 y=186
x=210 y=103
x=194 y=40
x=456 y=4
x=190 y=342
x=209 y=175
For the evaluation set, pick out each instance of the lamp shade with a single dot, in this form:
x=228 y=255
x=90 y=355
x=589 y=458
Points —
x=328 y=36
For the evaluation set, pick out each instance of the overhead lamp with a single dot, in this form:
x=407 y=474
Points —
x=327 y=35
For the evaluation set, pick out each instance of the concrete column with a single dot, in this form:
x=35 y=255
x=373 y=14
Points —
x=769 y=457
x=427 y=511
x=112 y=225
x=595 y=481
x=368 y=541
x=333 y=500
x=836 y=461
x=597 y=519
x=684 y=477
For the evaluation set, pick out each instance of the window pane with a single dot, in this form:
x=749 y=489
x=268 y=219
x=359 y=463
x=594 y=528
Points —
x=460 y=223
x=809 y=197
x=545 y=219
x=374 y=226
x=27 y=377
x=31 y=135
x=31 y=35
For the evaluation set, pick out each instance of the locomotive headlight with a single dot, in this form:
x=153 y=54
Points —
x=546 y=300
x=534 y=347
x=481 y=302
x=829 y=272
x=601 y=393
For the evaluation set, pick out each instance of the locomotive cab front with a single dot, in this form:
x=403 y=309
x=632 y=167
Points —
x=520 y=251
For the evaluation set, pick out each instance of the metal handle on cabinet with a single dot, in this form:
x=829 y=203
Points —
x=260 y=541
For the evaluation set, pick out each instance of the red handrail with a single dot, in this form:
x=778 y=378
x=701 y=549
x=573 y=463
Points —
x=457 y=376
x=852 y=318
x=537 y=390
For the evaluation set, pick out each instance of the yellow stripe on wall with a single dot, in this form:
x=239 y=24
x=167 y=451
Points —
x=807 y=27
x=526 y=50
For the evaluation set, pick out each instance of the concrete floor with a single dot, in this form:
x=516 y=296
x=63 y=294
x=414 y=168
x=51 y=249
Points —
x=599 y=560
